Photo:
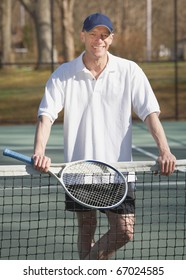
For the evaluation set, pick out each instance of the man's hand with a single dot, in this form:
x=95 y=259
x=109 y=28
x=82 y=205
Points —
x=167 y=163
x=41 y=163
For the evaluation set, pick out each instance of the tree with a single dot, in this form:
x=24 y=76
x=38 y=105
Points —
x=67 y=27
x=39 y=11
x=5 y=16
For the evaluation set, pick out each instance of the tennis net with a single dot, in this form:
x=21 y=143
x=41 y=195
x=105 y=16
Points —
x=34 y=224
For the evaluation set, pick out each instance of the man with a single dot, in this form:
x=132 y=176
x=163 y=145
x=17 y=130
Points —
x=98 y=92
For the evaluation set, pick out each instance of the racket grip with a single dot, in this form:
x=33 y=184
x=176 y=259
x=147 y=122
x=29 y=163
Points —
x=18 y=156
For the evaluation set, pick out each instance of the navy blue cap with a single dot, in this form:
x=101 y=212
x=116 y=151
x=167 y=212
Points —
x=97 y=20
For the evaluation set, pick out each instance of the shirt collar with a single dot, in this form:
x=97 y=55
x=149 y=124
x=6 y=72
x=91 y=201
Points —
x=111 y=65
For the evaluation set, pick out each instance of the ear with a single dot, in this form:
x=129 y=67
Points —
x=111 y=38
x=82 y=36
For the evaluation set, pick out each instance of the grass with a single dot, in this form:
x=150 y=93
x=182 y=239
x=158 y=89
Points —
x=20 y=93
x=21 y=90
x=172 y=97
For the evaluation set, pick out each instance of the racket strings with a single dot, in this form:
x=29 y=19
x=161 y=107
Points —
x=94 y=184
x=96 y=195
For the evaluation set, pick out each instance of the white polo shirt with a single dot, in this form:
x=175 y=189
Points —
x=98 y=113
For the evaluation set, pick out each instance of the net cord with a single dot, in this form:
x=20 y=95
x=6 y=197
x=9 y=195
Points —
x=135 y=166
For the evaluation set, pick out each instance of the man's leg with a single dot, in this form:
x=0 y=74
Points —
x=120 y=232
x=87 y=221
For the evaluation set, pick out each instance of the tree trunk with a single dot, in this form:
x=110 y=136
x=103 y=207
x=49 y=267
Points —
x=6 y=55
x=43 y=32
x=67 y=8
x=40 y=13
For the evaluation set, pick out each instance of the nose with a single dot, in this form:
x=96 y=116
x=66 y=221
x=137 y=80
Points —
x=99 y=37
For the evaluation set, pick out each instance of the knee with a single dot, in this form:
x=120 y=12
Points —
x=129 y=235
x=124 y=236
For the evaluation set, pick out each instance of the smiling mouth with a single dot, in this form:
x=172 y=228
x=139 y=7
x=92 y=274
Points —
x=98 y=47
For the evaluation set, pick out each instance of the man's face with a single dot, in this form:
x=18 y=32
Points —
x=97 y=41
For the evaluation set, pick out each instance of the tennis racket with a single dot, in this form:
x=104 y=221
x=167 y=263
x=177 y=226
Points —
x=91 y=183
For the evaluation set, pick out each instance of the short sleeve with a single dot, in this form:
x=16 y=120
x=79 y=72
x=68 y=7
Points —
x=53 y=100
x=144 y=101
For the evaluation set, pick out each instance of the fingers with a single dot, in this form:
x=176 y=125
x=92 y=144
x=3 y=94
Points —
x=167 y=167
x=41 y=163
x=167 y=164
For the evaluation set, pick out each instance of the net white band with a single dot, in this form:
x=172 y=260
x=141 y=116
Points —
x=135 y=166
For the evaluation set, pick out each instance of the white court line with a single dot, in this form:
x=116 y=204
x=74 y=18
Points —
x=144 y=152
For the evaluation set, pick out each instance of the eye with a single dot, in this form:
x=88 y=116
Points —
x=92 y=34
x=104 y=36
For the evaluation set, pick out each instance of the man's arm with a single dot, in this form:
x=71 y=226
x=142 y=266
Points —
x=43 y=129
x=166 y=159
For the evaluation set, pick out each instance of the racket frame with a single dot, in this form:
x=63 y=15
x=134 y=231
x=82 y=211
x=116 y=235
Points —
x=99 y=163
x=28 y=160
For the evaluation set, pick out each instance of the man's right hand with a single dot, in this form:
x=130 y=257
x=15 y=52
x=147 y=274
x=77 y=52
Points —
x=41 y=163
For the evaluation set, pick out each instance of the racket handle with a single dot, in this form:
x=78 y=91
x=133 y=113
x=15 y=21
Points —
x=17 y=156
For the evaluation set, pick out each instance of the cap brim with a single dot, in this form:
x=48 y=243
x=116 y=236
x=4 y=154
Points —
x=97 y=26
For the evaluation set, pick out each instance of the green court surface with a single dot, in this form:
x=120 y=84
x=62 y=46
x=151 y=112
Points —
x=36 y=226
x=21 y=139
